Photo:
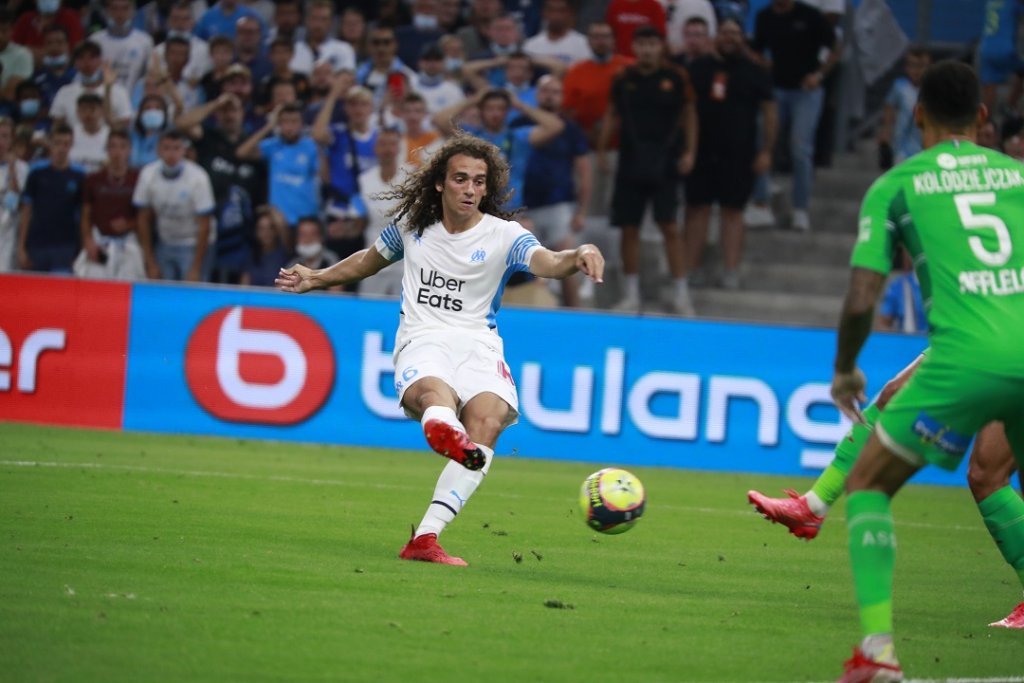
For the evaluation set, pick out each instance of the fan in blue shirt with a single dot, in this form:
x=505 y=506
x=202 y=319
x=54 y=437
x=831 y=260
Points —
x=293 y=162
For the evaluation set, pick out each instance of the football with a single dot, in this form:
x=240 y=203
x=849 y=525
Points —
x=612 y=500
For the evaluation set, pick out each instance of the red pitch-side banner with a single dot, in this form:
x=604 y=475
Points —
x=63 y=350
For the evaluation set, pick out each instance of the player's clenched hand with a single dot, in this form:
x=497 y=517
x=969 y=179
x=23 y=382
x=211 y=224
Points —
x=847 y=391
x=590 y=262
x=297 y=279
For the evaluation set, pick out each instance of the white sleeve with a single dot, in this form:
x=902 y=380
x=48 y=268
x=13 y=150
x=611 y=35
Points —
x=346 y=55
x=120 y=103
x=524 y=245
x=390 y=244
x=21 y=173
x=302 y=60
x=140 y=197
x=59 y=107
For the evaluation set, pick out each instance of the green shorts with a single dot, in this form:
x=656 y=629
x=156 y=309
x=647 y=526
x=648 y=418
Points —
x=936 y=415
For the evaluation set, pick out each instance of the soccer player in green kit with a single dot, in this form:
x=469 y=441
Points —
x=991 y=466
x=959 y=210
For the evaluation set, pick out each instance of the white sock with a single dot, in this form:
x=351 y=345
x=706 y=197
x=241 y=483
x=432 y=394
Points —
x=444 y=414
x=879 y=647
x=682 y=286
x=817 y=505
x=454 y=488
x=631 y=286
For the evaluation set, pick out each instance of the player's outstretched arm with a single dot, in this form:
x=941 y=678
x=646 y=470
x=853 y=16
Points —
x=848 y=381
x=359 y=266
x=586 y=259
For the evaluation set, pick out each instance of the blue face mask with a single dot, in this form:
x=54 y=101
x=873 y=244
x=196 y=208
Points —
x=48 y=6
x=179 y=34
x=152 y=119
x=28 y=108
x=452 y=63
x=92 y=80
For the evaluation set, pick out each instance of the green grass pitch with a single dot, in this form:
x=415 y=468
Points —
x=127 y=557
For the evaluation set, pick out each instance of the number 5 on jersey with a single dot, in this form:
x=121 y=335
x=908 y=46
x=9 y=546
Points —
x=965 y=203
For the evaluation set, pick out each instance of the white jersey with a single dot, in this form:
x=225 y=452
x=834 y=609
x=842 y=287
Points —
x=129 y=55
x=89 y=150
x=199 y=63
x=338 y=53
x=438 y=96
x=176 y=202
x=456 y=280
x=371 y=184
x=572 y=48
x=65 y=102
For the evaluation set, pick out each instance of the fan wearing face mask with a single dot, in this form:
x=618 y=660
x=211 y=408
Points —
x=309 y=246
x=151 y=121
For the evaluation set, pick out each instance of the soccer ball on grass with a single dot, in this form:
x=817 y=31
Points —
x=612 y=500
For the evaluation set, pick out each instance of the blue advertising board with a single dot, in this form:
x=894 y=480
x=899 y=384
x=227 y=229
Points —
x=592 y=386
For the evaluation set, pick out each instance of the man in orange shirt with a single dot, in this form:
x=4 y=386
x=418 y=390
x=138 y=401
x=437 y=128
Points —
x=587 y=86
x=588 y=83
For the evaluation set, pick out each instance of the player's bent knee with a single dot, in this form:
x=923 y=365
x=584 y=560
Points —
x=484 y=429
x=992 y=462
x=980 y=481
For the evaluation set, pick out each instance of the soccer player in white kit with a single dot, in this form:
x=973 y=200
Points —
x=459 y=249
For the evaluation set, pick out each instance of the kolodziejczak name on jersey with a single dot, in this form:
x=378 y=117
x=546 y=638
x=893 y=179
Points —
x=959 y=210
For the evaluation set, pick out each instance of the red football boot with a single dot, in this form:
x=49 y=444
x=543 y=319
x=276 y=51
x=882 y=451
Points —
x=1014 y=620
x=792 y=512
x=425 y=549
x=454 y=443
x=860 y=669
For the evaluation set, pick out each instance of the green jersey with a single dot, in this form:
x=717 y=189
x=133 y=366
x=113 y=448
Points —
x=959 y=210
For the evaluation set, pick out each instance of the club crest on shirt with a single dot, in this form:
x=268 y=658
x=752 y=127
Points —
x=478 y=256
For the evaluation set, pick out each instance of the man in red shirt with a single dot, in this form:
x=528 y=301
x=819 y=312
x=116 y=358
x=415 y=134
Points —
x=624 y=16
x=110 y=248
x=31 y=25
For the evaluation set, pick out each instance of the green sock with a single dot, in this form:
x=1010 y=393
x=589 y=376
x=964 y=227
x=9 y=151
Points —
x=1003 y=513
x=830 y=484
x=872 y=557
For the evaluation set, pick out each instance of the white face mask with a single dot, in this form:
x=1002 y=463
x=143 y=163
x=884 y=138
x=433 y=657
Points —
x=308 y=251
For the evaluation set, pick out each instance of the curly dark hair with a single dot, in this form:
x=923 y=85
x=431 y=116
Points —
x=420 y=202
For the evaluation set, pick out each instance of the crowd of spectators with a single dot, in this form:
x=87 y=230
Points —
x=217 y=143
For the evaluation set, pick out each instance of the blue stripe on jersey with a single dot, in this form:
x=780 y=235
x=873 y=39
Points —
x=496 y=301
x=517 y=254
x=392 y=238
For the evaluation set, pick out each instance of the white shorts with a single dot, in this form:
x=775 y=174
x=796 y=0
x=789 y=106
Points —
x=469 y=363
